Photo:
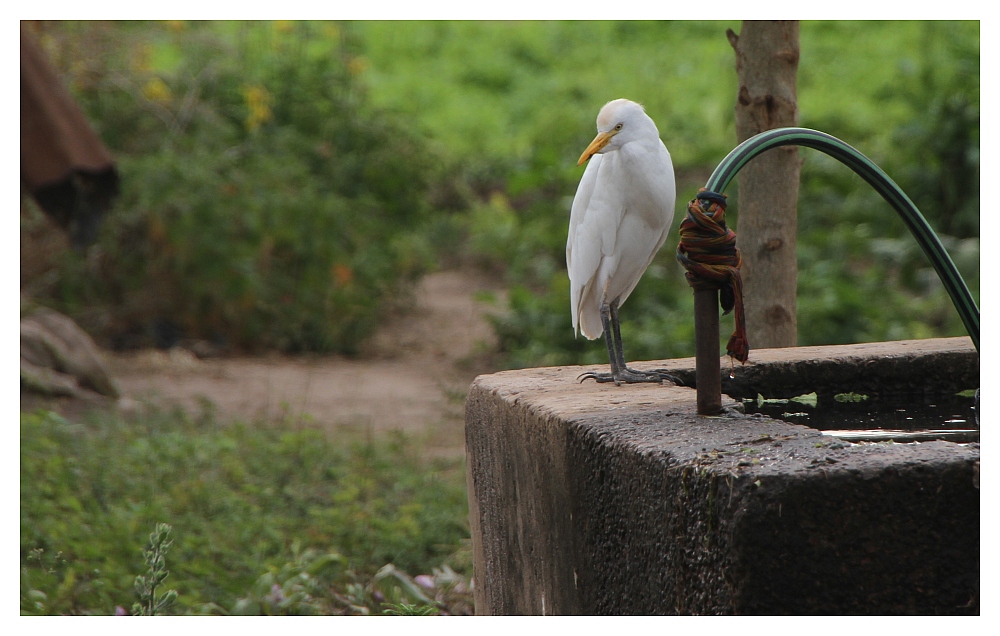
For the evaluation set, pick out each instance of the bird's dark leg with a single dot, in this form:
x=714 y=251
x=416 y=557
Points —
x=612 y=356
x=627 y=374
x=654 y=376
x=616 y=355
x=616 y=326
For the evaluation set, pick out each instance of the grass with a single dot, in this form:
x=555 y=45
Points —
x=335 y=521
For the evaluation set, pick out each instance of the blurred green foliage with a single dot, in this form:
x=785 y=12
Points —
x=264 y=202
x=250 y=505
x=522 y=98
x=286 y=181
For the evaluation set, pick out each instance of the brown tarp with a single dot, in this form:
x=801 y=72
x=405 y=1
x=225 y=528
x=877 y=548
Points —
x=64 y=165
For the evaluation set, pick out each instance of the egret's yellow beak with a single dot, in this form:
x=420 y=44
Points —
x=599 y=142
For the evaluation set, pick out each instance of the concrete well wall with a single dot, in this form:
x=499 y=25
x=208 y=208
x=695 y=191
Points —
x=597 y=499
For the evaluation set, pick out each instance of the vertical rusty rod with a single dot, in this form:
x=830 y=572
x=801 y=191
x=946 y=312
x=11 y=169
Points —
x=708 y=374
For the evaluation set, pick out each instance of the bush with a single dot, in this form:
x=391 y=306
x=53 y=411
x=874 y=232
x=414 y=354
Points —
x=264 y=203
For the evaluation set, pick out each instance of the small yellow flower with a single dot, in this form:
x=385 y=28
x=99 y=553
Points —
x=357 y=65
x=498 y=200
x=156 y=90
x=283 y=26
x=259 y=102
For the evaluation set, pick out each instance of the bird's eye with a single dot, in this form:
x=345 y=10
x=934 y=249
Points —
x=618 y=127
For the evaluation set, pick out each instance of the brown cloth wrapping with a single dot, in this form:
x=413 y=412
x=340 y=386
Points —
x=64 y=165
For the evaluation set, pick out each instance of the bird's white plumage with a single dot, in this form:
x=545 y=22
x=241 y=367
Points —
x=621 y=213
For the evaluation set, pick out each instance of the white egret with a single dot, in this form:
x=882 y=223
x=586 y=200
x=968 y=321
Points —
x=620 y=218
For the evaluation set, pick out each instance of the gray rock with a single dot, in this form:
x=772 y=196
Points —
x=58 y=358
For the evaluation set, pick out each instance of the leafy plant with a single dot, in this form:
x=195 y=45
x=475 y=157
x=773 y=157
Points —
x=299 y=587
x=405 y=609
x=252 y=505
x=808 y=399
x=850 y=397
x=145 y=585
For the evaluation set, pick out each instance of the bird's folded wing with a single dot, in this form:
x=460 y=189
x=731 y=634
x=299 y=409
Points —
x=590 y=248
x=580 y=202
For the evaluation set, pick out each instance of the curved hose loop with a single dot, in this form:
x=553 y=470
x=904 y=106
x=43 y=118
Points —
x=879 y=180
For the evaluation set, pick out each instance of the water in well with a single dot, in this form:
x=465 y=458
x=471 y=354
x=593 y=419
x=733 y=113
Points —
x=858 y=417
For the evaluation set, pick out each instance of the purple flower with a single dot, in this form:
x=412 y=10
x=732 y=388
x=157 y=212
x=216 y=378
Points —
x=424 y=581
x=276 y=596
x=120 y=611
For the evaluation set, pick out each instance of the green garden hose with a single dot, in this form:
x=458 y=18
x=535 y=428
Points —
x=879 y=180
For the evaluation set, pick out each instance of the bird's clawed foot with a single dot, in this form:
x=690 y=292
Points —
x=597 y=377
x=628 y=376
x=669 y=377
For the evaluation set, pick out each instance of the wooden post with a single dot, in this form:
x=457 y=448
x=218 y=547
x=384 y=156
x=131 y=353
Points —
x=767 y=59
x=708 y=374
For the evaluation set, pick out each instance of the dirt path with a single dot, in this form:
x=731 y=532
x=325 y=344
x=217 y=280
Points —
x=412 y=377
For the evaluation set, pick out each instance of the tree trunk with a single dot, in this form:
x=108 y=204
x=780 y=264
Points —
x=767 y=58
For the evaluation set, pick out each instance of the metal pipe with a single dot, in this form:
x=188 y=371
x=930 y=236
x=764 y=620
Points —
x=708 y=374
x=892 y=193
